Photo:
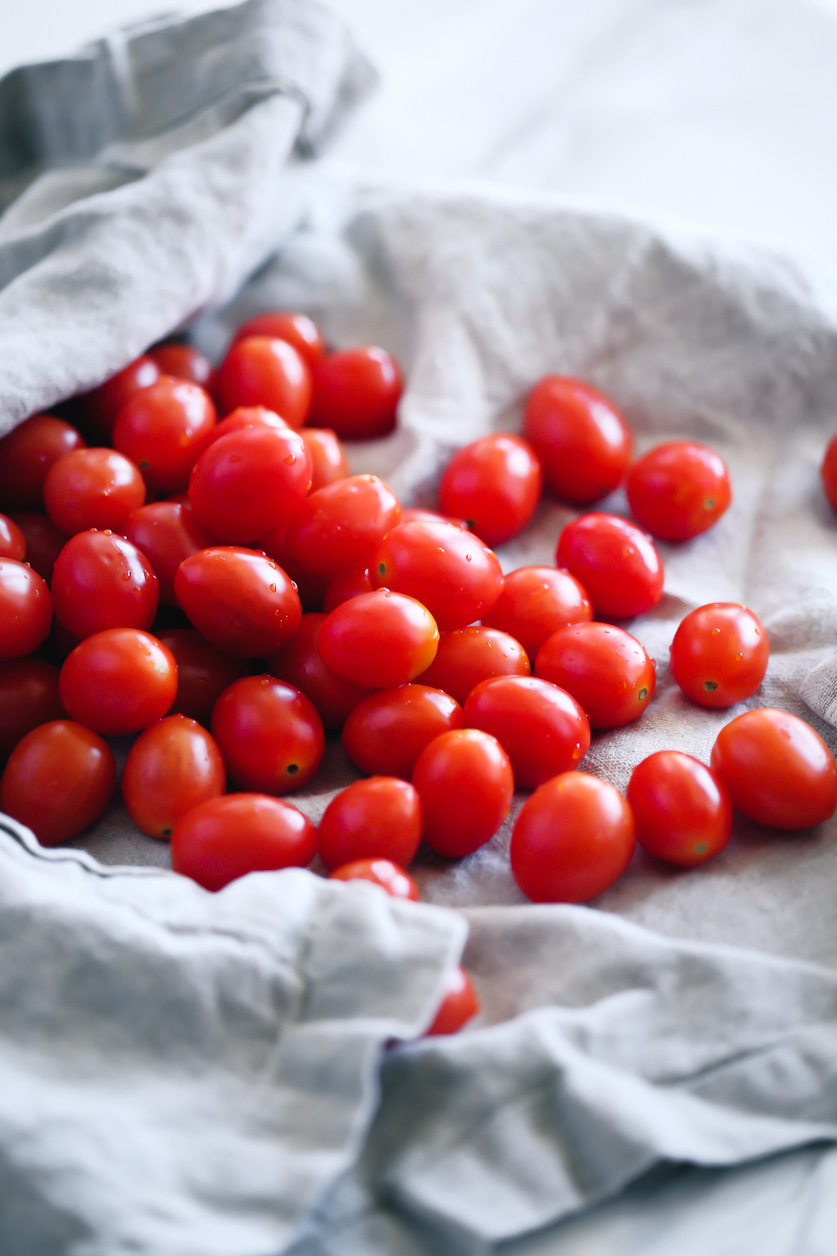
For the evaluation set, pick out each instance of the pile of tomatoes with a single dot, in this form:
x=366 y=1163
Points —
x=189 y=561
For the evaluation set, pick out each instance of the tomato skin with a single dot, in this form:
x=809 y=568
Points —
x=102 y=405
x=460 y=1003
x=118 y=681
x=682 y=811
x=28 y=697
x=572 y=840
x=465 y=783
x=828 y=472
x=617 y=564
x=777 y=769
x=103 y=581
x=377 y=818
x=386 y=732
x=92 y=488
x=26 y=455
x=250 y=482
x=451 y=572
x=239 y=599
x=418 y=514
x=25 y=609
x=44 y=542
x=719 y=654
x=607 y=671
x=583 y=442
x=298 y=329
x=678 y=490
x=328 y=457
x=225 y=838
x=167 y=533
x=248 y=416
x=495 y=484
x=164 y=429
x=541 y=727
x=467 y=656
x=58 y=780
x=12 y=541
x=356 y=393
x=172 y=766
x=299 y=663
x=184 y=362
x=269 y=734
x=379 y=639
x=203 y=673
x=345 y=585
x=381 y=872
x=263 y=371
x=537 y=601
x=342 y=525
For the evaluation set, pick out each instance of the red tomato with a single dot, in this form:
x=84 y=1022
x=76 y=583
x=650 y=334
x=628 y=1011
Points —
x=379 y=639
x=583 y=442
x=44 y=542
x=342 y=525
x=386 y=732
x=494 y=484
x=356 y=393
x=263 y=371
x=248 y=416
x=617 y=563
x=607 y=671
x=58 y=780
x=92 y=488
x=239 y=599
x=28 y=697
x=164 y=429
x=828 y=472
x=25 y=609
x=167 y=533
x=12 y=541
x=184 y=362
x=451 y=572
x=465 y=783
x=203 y=673
x=541 y=727
x=171 y=767
x=328 y=457
x=572 y=840
x=103 y=581
x=418 y=514
x=298 y=662
x=311 y=586
x=250 y=482
x=26 y=455
x=681 y=810
x=225 y=838
x=467 y=656
x=460 y=1003
x=537 y=601
x=381 y=872
x=103 y=404
x=118 y=681
x=719 y=654
x=269 y=733
x=678 y=490
x=778 y=771
x=298 y=329
x=345 y=585
x=377 y=818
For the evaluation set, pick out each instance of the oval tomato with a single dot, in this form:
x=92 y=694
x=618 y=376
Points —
x=12 y=542
x=572 y=840
x=167 y=533
x=297 y=329
x=102 y=405
x=264 y=371
x=299 y=663
x=164 y=429
x=379 y=639
x=778 y=770
x=103 y=581
x=541 y=727
x=341 y=525
x=719 y=654
x=465 y=783
x=678 y=490
x=328 y=457
x=381 y=872
x=467 y=656
x=377 y=818
x=239 y=599
x=92 y=488
x=617 y=564
x=172 y=766
x=118 y=681
x=460 y=1003
x=494 y=484
x=583 y=442
x=225 y=838
x=28 y=697
x=356 y=393
x=537 y=601
x=451 y=572
x=183 y=362
x=58 y=780
x=26 y=454
x=386 y=732
x=607 y=671
x=269 y=734
x=25 y=609
x=681 y=809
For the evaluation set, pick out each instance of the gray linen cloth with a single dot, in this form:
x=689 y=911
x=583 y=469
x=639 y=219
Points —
x=189 y=1073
